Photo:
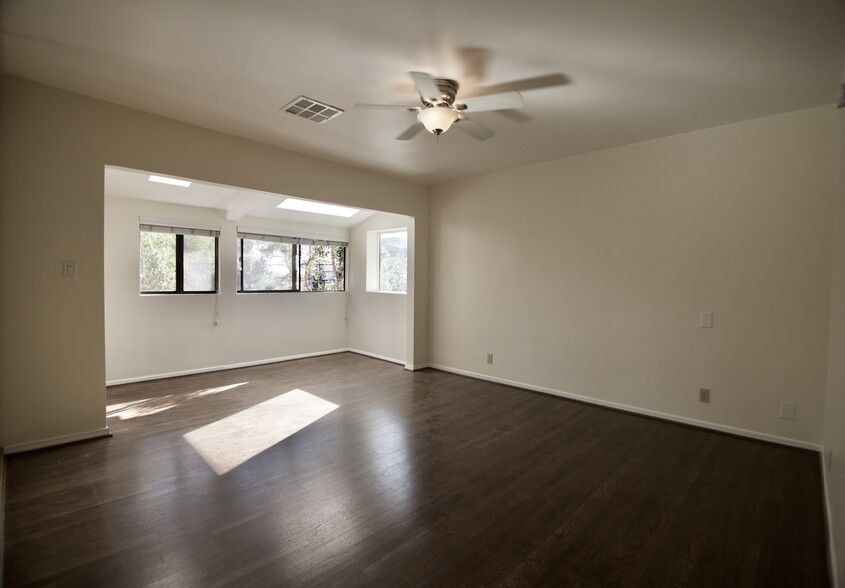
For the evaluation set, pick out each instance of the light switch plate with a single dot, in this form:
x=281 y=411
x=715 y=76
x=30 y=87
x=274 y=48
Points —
x=69 y=270
x=705 y=320
x=788 y=410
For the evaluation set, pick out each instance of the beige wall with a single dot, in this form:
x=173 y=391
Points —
x=377 y=321
x=587 y=275
x=834 y=415
x=54 y=147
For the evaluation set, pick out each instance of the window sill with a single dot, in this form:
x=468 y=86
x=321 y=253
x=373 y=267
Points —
x=385 y=292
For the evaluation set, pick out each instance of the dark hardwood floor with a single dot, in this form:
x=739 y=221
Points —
x=417 y=479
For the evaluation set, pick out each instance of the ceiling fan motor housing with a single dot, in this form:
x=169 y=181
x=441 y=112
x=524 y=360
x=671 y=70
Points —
x=448 y=92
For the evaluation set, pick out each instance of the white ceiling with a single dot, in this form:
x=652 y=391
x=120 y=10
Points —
x=234 y=203
x=635 y=69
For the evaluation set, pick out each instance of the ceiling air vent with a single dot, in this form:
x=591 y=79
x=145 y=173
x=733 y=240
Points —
x=310 y=109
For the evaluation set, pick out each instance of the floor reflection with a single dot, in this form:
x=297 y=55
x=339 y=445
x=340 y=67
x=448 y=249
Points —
x=388 y=445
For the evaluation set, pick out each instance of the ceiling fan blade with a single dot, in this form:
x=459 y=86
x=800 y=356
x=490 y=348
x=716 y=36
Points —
x=410 y=133
x=504 y=100
x=474 y=129
x=426 y=86
x=474 y=62
x=515 y=115
x=536 y=83
x=388 y=107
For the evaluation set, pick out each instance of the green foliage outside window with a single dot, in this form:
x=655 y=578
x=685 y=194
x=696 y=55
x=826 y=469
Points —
x=322 y=268
x=175 y=263
x=266 y=266
x=393 y=262
x=158 y=262
x=270 y=266
x=198 y=263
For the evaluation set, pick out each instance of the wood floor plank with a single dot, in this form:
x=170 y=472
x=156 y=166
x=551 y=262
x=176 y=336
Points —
x=417 y=478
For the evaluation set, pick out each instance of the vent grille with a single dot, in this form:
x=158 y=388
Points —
x=312 y=110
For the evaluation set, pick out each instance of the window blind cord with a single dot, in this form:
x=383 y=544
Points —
x=216 y=309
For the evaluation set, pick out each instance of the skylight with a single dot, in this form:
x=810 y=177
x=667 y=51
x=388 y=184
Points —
x=317 y=207
x=171 y=181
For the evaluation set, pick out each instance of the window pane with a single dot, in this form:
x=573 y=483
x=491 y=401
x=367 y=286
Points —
x=158 y=262
x=321 y=268
x=198 y=264
x=267 y=266
x=393 y=262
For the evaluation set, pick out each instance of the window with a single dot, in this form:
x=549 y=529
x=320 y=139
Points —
x=271 y=263
x=266 y=266
x=322 y=268
x=393 y=261
x=387 y=261
x=178 y=260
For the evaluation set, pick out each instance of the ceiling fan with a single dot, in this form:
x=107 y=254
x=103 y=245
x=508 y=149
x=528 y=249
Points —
x=441 y=109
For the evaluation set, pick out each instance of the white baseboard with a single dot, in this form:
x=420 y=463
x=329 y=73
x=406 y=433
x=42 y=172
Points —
x=416 y=367
x=831 y=548
x=376 y=356
x=217 y=368
x=21 y=447
x=637 y=410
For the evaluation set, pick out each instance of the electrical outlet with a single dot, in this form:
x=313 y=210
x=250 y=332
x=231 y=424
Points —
x=704 y=394
x=489 y=358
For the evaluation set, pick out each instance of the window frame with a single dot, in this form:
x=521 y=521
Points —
x=296 y=244
x=180 y=268
x=294 y=270
x=373 y=261
x=334 y=244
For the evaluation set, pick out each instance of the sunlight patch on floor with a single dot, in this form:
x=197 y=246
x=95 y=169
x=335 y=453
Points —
x=229 y=442
x=140 y=408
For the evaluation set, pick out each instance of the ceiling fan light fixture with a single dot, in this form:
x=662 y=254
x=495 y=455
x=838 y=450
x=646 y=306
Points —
x=437 y=119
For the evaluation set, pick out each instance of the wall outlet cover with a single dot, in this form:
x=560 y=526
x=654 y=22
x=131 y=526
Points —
x=69 y=270
x=788 y=410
